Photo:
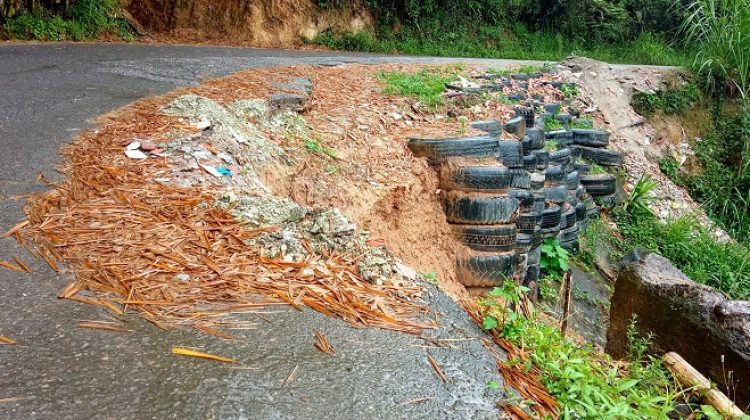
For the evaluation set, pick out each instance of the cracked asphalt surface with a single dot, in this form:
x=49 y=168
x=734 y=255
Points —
x=56 y=370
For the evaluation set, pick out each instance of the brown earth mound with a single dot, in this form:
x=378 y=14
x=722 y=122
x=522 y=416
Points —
x=278 y=23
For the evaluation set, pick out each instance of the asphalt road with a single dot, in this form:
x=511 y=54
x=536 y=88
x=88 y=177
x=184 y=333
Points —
x=56 y=370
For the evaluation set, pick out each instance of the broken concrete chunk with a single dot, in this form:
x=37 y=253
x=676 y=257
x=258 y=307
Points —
x=710 y=331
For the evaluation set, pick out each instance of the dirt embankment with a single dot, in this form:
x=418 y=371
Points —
x=273 y=23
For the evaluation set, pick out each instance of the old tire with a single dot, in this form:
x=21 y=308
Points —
x=573 y=181
x=527 y=113
x=493 y=178
x=529 y=222
x=475 y=209
x=482 y=270
x=520 y=179
x=600 y=184
x=542 y=159
x=551 y=216
x=555 y=175
x=490 y=126
x=560 y=157
x=529 y=163
x=487 y=238
x=604 y=157
x=556 y=194
x=437 y=150
x=568 y=217
x=537 y=138
x=590 y=137
x=510 y=153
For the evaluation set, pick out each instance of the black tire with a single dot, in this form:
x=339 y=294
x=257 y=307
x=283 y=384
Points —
x=580 y=191
x=568 y=218
x=553 y=108
x=537 y=181
x=528 y=200
x=529 y=163
x=532 y=276
x=495 y=178
x=588 y=201
x=492 y=238
x=437 y=150
x=492 y=87
x=527 y=113
x=490 y=126
x=573 y=181
x=518 y=96
x=516 y=126
x=555 y=175
x=580 y=212
x=569 y=234
x=542 y=159
x=486 y=270
x=582 y=168
x=520 y=76
x=479 y=210
x=551 y=232
x=563 y=138
x=535 y=256
x=603 y=157
x=593 y=213
x=551 y=216
x=520 y=179
x=556 y=194
x=529 y=222
x=590 y=137
x=560 y=157
x=537 y=137
x=600 y=184
x=510 y=153
x=523 y=85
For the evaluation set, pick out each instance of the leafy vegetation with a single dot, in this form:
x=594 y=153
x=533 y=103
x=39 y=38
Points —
x=552 y=124
x=586 y=383
x=569 y=90
x=725 y=266
x=631 y=31
x=87 y=19
x=670 y=101
x=551 y=145
x=641 y=196
x=426 y=85
x=554 y=260
x=583 y=122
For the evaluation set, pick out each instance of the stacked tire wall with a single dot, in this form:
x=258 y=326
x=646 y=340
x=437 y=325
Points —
x=505 y=197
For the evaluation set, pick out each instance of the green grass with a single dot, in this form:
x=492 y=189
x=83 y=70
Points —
x=582 y=122
x=426 y=85
x=87 y=19
x=585 y=382
x=499 y=42
x=684 y=242
x=670 y=101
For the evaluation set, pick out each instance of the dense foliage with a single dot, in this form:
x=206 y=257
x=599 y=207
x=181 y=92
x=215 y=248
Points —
x=83 y=19
x=612 y=30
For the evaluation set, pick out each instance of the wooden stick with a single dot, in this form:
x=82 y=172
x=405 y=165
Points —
x=568 y=285
x=689 y=377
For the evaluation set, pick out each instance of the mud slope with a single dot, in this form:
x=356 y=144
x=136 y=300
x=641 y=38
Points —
x=276 y=23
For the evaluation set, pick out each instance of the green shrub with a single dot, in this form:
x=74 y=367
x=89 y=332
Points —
x=725 y=266
x=671 y=101
x=586 y=383
x=87 y=19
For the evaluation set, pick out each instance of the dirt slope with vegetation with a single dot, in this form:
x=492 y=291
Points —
x=255 y=23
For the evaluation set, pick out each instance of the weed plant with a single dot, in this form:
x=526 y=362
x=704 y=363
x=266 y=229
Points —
x=585 y=382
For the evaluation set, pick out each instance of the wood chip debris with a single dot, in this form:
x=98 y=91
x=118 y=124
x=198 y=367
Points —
x=290 y=377
x=201 y=355
x=435 y=366
x=127 y=239
x=7 y=340
x=322 y=344
x=106 y=326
